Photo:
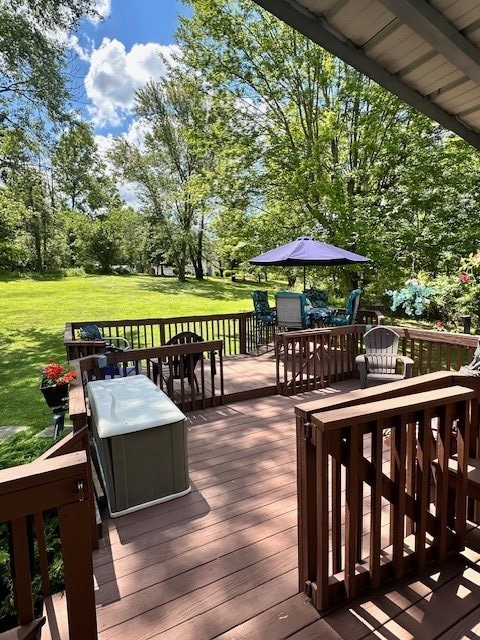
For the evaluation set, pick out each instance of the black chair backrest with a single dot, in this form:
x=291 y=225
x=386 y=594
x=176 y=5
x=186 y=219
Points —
x=184 y=366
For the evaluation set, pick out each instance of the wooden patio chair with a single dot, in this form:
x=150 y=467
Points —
x=380 y=362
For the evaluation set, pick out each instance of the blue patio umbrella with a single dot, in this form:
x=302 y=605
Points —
x=304 y=252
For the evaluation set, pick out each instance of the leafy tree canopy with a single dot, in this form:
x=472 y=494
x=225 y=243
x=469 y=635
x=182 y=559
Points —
x=33 y=56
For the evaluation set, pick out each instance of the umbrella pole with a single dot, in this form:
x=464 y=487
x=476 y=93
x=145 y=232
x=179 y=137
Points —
x=304 y=277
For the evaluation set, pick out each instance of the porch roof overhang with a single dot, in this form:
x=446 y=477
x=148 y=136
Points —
x=425 y=52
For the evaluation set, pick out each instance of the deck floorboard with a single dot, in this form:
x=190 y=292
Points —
x=221 y=562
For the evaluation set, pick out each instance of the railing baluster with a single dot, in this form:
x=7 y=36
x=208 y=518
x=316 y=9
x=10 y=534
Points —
x=445 y=422
x=78 y=571
x=351 y=511
x=463 y=440
x=376 y=502
x=22 y=578
x=322 y=491
x=399 y=478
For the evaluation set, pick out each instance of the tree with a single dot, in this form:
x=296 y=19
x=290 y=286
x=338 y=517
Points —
x=28 y=187
x=12 y=216
x=33 y=56
x=339 y=156
x=78 y=172
x=171 y=171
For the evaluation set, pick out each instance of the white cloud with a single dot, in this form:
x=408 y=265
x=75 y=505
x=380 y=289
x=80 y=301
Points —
x=103 y=8
x=115 y=74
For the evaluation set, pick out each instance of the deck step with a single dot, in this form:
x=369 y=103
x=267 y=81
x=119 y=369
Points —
x=55 y=612
x=24 y=632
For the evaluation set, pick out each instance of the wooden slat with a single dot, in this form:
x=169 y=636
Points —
x=22 y=579
x=376 y=506
x=78 y=571
x=399 y=456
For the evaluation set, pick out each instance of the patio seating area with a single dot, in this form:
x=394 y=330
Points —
x=226 y=561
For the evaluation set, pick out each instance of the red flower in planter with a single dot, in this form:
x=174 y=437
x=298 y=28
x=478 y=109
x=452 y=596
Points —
x=54 y=374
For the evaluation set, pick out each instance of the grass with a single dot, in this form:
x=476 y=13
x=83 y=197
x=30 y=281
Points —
x=33 y=316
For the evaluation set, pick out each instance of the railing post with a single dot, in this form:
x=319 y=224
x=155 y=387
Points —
x=74 y=521
x=242 y=334
x=467 y=324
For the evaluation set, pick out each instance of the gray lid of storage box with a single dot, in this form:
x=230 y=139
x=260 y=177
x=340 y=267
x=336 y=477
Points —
x=125 y=405
x=139 y=435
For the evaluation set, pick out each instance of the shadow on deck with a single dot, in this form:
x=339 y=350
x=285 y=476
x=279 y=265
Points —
x=222 y=562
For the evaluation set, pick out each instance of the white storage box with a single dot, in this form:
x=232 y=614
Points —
x=140 y=439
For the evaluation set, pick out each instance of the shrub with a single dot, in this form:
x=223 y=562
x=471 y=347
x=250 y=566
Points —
x=413 y=298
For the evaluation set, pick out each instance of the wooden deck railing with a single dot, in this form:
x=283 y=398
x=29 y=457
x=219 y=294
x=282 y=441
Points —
x=236 y=330
x=376 y=447
x=312 y=359
x=239 y=332
x=61 y=483
x=159 y=363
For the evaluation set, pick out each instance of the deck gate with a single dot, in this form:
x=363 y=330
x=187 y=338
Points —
x=373 y=485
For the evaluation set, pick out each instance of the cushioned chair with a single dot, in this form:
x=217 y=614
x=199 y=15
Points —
x=112 y=343
x=291 y=310
x=262 y=309
x=92 y=332
x=340 y=317
x=381 y=362
x=319 y=314
x=318 y=298
x=265 y=315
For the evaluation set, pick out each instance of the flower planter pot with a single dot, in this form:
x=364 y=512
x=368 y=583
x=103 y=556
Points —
x=56 y=396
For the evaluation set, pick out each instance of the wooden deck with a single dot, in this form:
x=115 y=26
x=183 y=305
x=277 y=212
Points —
x=221 y=562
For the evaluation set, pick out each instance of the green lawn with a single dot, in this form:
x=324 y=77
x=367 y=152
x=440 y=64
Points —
x=34 y=311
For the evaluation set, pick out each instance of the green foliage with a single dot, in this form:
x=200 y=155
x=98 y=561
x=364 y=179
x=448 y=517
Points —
x=413 y=298
x=171 y=174
x=33 y=57
x=78 y=172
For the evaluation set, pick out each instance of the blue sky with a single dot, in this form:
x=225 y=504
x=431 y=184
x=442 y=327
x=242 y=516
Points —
x=120 y=54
